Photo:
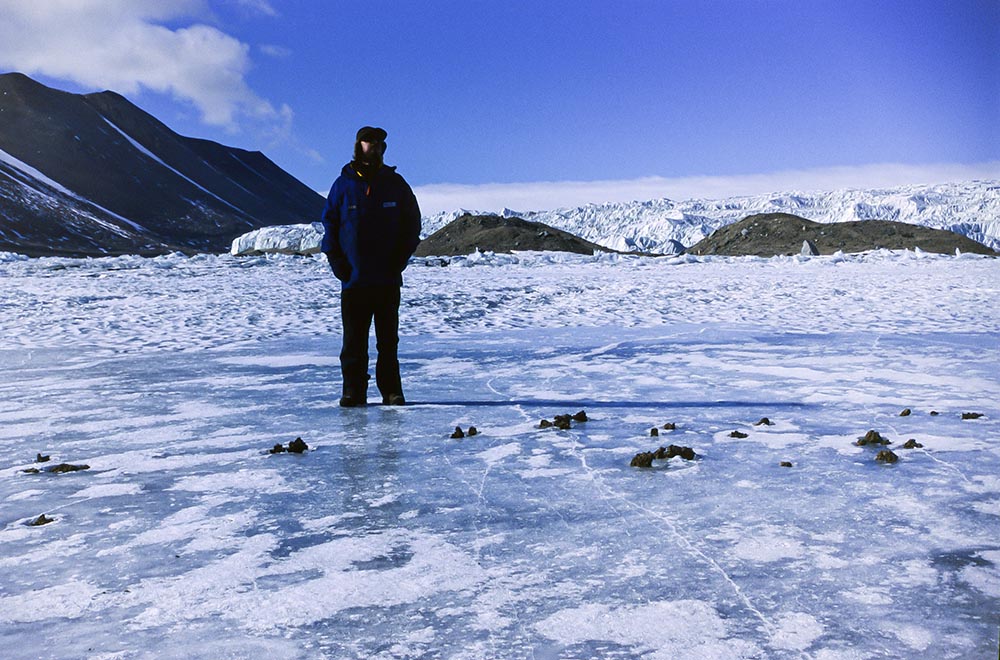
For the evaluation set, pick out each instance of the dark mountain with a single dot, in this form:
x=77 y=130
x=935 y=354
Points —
x=770 y=234
x=92 y=174
x=492 y=233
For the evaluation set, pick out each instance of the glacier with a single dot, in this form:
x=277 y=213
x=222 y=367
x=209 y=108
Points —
x=664 y=226
x=970 y=208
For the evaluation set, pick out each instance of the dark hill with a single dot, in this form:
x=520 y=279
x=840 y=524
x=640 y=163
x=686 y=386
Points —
x=492 y=233
x=770 y=234
x=105 y=177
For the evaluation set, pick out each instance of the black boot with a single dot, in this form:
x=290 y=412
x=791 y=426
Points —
x=353 y=399
x=354 y=396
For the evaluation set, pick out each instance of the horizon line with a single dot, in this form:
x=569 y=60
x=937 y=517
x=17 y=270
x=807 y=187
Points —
x=540 y=196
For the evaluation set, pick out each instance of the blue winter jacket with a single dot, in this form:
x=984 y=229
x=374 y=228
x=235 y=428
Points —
x=372 y=227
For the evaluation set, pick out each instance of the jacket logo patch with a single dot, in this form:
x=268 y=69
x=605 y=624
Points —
x=388 y=205
x=352 y=207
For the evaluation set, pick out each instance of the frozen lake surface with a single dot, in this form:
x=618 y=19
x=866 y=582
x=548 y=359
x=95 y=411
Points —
x=171 y=378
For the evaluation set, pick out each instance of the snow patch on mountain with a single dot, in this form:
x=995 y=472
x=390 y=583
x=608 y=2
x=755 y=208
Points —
x=35 y=183
x=159 y=161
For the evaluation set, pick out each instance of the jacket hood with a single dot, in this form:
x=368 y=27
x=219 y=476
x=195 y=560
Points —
x=349 y=171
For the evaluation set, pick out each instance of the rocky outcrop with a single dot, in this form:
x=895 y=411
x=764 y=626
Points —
x=771 y=234
x=492 y=233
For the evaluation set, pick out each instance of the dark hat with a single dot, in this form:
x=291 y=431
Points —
x=371 y=134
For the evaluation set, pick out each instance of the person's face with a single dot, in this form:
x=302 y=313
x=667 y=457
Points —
x=371 y=151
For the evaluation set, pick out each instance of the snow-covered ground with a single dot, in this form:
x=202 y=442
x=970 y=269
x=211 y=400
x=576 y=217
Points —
x=171 y=377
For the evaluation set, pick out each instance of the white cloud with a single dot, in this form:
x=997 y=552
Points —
x=548 y=195
x=260 y=6
x=123 y=45
x=277 y=52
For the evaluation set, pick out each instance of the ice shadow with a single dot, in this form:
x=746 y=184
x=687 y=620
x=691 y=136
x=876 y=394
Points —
x=583 y=403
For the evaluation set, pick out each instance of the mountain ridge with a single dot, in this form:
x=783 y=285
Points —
x=93 y=174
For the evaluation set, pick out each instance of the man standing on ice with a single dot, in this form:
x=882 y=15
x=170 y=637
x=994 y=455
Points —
x=372 y=224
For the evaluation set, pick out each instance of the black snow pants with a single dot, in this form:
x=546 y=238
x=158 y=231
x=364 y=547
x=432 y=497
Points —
x=358 y=307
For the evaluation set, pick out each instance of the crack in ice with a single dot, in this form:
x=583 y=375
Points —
x=769 y=627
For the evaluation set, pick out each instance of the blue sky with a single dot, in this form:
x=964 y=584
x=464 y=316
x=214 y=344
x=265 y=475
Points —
x=551 y=103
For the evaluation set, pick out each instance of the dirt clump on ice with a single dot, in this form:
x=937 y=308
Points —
x=644 y=459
